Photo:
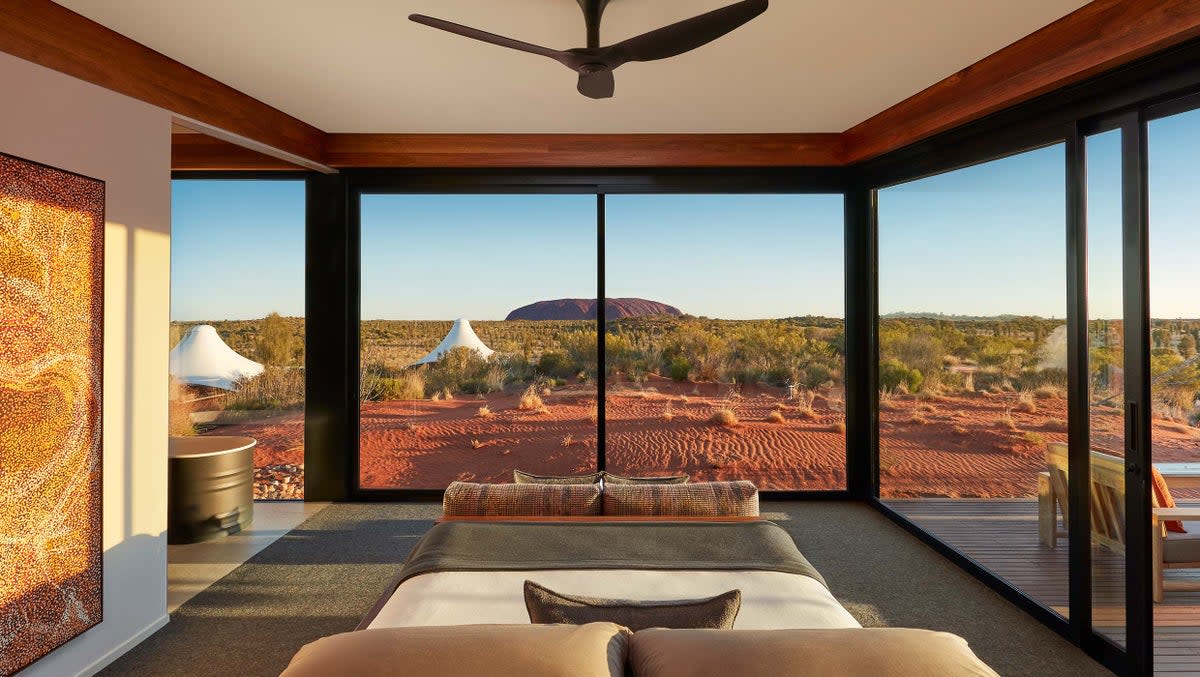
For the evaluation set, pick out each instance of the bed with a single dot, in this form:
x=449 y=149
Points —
x=472 y=572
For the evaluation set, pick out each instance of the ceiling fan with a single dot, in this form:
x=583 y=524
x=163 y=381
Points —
x=595 y=64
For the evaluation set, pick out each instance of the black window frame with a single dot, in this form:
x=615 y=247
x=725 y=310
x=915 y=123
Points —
x=826 y=181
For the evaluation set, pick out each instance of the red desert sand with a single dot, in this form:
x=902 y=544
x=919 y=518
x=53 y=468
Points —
x=978 y=445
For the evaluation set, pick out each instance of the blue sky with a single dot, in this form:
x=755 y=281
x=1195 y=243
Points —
x=982 y=240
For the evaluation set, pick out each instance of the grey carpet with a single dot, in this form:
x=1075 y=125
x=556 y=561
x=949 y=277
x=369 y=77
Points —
x=323 y=576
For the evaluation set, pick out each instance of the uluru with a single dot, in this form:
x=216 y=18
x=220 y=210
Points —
x=585 y=309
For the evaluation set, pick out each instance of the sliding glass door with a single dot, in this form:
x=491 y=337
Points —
x=724 y=353
x=478 y=338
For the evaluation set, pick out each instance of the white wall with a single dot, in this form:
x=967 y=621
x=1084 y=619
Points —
x=63 y=122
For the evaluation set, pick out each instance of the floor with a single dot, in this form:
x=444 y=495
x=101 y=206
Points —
x=1002 y=535
x=192 y=567
x=323 y=576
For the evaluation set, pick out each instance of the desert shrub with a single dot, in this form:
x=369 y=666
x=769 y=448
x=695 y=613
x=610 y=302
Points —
x=568 y=440
x=581 y=350
x=408 y=386
x=679 y=369
x=1033 y=379
x=274 y=388
x=554 y=363
x=484 y=412
x=815 y=375
x=1036 y=439
x=464 y=370
x=1006 y=421
x=775 y=417
x=1049 y=392
x=1026 y=402
x=838 y=427
x=893 y=373
x=276 y=344
x=517 y=368
x=986 y=379
x=530 y=400
x=917 y=419
x=725 y=418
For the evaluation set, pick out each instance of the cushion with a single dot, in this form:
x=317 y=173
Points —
x=877 y=652
x=610 y=478
x=469 y=498
x=522 y=477
x=1183 y=548
x=1160 y=495
x=546 y=606
x=697 y=499
x=594 y=650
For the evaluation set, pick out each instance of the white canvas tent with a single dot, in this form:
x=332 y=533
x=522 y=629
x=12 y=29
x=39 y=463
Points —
x=460 y=335
x=201 y=358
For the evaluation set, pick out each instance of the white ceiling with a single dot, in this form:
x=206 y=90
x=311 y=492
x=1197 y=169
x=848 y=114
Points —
x=361 y=66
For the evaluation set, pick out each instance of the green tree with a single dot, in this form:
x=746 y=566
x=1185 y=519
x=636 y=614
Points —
x=276 y=343
x=1187 y=346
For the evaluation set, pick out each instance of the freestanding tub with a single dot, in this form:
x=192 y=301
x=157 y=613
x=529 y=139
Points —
x=210 y=487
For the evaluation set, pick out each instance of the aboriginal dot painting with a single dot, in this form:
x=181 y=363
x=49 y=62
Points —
x=51 y=347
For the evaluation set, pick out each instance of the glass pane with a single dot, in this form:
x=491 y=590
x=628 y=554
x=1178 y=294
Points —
x=237 y=321
x=724 y=345
x=478 y=338
x=1106 y=359
x=1174 y=144
x=972 y=342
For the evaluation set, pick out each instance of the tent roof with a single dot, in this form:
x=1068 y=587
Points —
x=461 y=335
x=201 y=358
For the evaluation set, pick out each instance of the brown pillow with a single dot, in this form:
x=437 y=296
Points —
x=522 y=477
x=475 y=500
x=546 y=606
x=595 y=650
x=877 y=652
x=698 y=499
x=610 y=478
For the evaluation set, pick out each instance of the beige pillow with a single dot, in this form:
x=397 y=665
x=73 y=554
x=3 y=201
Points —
x=593 y=650
x=850 y=652
x=468 y=499
x=610 y=478
x=546 y=606
x=522 y=477
x=696 y=499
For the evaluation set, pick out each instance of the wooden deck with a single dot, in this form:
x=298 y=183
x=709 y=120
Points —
x=1002 y=535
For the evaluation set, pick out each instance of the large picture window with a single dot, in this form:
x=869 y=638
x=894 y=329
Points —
x=237 y=321
x=973 y=359
x=478 y=338
x=725 y=343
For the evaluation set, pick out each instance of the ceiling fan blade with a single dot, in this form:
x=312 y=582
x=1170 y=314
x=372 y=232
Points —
x=683 y=36
x=597 y=85
x=483 y=36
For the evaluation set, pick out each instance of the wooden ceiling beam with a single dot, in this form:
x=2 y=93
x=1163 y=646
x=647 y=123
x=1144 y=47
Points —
x=199 y=152
x=583 y=150
x=1099 y=36
x=53 y=36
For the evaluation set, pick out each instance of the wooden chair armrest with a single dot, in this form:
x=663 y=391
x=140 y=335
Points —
x=1185 y=513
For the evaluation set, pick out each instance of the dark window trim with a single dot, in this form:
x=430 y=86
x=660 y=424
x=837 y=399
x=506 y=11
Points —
x=801 y=181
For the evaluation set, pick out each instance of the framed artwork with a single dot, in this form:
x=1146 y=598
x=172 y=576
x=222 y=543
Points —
x=51 y=370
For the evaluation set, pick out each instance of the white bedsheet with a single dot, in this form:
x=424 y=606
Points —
x=770 y=599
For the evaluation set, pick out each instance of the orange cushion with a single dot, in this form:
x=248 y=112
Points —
x=1162 y=499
